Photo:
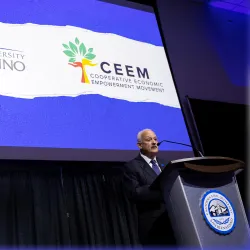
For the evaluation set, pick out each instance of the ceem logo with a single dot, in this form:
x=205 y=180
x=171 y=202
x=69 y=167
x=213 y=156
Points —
x=79 y=56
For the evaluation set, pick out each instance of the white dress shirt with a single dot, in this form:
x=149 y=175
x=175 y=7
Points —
x=148 y=160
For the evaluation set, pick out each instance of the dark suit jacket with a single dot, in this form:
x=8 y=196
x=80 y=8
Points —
x=138 y=177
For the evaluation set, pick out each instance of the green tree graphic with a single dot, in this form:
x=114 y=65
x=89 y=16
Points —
x=79 y=56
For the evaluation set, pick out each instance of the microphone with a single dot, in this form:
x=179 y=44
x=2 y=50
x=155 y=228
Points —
x=198 y=151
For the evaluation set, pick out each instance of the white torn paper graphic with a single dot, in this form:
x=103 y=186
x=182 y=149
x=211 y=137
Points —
x=53 y=61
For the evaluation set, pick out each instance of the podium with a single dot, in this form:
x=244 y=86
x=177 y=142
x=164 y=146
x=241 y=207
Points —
x=204 y=203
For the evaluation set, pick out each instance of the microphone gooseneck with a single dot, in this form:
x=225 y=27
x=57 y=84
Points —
x=187 y=145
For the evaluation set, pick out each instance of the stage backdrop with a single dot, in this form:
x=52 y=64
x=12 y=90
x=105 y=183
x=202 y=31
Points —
x=79 y=79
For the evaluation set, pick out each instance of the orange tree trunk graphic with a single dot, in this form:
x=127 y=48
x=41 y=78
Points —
x=85 y=62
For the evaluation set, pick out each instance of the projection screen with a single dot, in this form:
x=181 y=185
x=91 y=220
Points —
x=79 y=79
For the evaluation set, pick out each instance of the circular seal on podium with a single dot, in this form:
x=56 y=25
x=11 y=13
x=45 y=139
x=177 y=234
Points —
x=218 y=212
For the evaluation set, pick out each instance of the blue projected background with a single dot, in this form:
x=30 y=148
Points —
x=88 y=121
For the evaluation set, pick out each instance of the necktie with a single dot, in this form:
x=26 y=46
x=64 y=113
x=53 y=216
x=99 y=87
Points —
x=155 y=167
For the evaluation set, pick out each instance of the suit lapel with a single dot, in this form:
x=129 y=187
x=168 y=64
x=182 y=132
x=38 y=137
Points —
x=145 y=166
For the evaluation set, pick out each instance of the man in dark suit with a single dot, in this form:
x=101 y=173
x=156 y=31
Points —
x=153 y=223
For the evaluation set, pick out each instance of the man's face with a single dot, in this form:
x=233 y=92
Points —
x=148 y=143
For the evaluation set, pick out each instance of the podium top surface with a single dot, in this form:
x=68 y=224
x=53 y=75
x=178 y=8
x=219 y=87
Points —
x=209 y=164
x=205 y=165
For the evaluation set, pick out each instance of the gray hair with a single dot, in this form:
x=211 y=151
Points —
x=139 y=135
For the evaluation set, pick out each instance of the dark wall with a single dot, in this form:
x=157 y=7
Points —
x=207 y=47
